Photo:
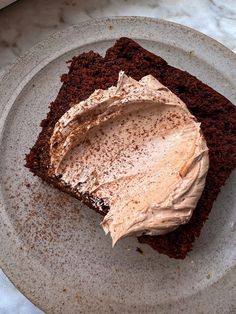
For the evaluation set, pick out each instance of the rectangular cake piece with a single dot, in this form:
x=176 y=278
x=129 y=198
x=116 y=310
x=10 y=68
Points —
x=89 y=71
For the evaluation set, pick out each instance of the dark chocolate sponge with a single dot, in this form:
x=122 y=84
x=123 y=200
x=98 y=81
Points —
x=90 y=71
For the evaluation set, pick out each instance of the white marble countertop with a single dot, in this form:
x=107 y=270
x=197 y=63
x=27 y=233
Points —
x=26 y=22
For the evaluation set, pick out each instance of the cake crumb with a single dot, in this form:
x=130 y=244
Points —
x=139 y=250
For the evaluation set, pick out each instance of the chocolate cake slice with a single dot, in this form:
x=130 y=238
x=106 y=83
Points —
x=89 y=71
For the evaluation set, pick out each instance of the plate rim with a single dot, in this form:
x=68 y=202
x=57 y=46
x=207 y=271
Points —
x=57 y=34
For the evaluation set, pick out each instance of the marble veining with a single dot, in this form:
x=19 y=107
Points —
x=26 y=22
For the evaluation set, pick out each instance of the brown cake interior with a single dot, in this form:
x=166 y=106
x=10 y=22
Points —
x=90 y=71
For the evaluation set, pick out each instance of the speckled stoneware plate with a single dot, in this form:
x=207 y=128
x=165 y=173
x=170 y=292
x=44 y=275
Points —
x=52 y=246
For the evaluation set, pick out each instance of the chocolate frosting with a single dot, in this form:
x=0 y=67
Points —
x=137 y=146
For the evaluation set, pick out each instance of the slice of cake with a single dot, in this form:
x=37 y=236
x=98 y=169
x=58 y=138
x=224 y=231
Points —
x=130 y=159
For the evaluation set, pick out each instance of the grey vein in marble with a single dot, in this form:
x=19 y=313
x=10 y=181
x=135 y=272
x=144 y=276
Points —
x=25 y=23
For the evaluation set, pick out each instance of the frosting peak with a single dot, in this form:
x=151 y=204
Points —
x=137 y=146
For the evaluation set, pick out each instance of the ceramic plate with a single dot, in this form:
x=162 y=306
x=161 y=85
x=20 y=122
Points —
x=52 y=247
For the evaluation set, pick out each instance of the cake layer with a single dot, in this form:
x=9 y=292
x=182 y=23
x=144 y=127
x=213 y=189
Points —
x=89 y=71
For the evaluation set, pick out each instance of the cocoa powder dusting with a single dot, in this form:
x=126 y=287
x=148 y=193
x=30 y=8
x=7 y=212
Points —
x=90 y=71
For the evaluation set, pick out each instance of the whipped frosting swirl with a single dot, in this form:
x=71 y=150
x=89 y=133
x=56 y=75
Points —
x=137 y=146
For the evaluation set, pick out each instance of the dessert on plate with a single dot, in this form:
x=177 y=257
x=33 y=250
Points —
x=146 y=145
